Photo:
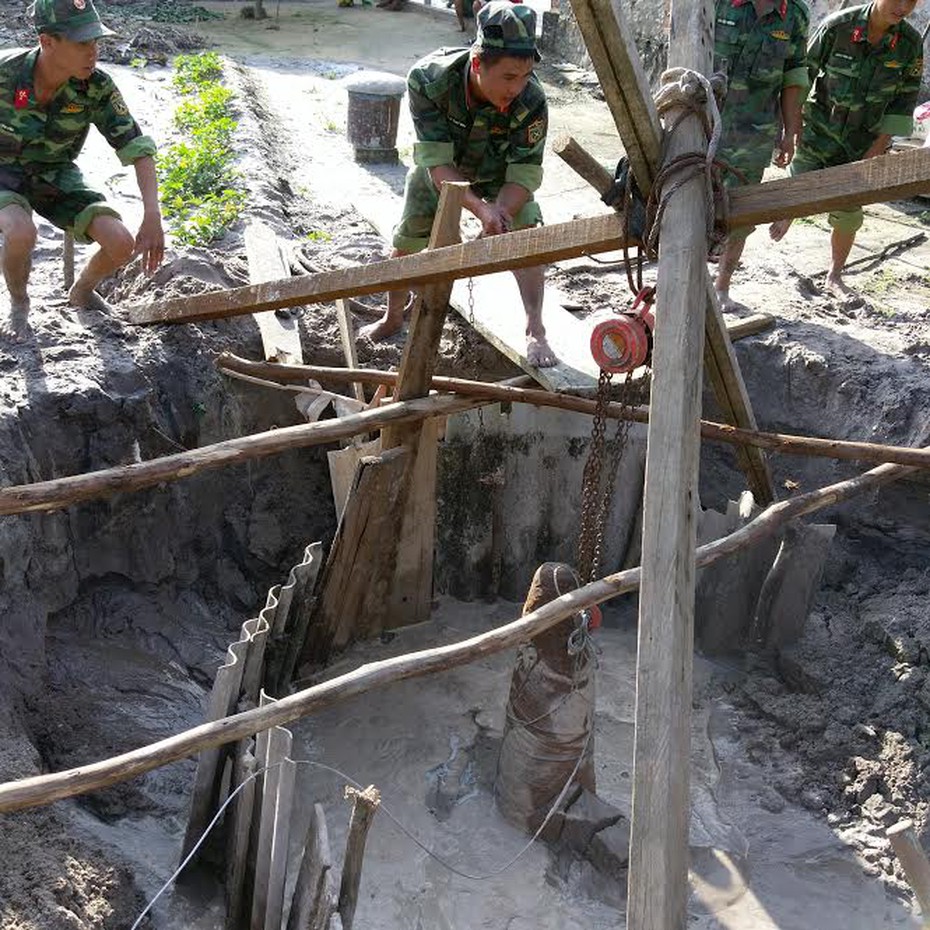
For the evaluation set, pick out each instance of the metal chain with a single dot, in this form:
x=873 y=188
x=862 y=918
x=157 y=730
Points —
x=591 y=481
x=471 y=302
x=596 y=500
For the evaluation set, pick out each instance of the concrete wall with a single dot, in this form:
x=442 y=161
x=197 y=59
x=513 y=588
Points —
x=510 y=498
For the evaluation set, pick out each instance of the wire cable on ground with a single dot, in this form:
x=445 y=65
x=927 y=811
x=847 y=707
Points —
x=395 y=820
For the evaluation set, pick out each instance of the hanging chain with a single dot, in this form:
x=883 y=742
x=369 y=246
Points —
x=597 y=494
x=471 y=302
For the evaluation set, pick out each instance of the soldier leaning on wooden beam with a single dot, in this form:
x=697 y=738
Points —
x=865 y=65
x=760 y=45
x=49 y=96
x=480 y=115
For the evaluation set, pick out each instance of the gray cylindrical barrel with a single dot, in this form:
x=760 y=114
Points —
x=374 y=111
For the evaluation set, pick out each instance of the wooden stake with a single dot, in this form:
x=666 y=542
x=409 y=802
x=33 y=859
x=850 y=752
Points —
x=365 y=805
x=347 y=337
x=658 y=876
x=44 y=789
x=913 y=860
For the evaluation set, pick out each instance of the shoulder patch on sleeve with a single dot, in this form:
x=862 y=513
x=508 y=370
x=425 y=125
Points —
x=535 y=131
x=917 y=69
x=118 y=104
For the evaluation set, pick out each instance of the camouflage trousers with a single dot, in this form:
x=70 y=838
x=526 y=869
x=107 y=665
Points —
x=844 y=221
x=56 y=192
x=749 y=154
x=421 y=199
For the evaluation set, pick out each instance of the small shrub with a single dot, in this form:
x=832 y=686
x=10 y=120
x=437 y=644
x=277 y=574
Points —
x=197 y=182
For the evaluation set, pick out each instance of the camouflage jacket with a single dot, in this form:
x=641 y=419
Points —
x=760 y=55
x=859 y=91
x=32 y=135
x=487 y=146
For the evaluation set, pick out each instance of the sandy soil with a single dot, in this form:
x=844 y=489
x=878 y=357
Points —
x=798 y=766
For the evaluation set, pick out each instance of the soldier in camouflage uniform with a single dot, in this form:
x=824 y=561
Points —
x=480 y=115
x=865 y=65
x=49 y=97
x=760 y=46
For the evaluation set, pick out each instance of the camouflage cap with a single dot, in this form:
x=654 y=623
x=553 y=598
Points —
x=76 y=20
x=507 y=27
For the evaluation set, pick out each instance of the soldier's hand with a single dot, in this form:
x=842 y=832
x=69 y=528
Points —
x=150 y=242
x=494 y=220
x=784 y=151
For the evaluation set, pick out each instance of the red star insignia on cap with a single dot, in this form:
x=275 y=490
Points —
x=21 y=98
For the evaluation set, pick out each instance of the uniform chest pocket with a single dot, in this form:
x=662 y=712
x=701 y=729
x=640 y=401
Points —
x=769 y=61
x=728 y=44
x=11 y=142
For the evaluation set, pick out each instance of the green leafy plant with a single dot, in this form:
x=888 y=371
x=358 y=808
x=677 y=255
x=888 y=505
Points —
x=197 y=181
x=192 y=72
x=319 y=235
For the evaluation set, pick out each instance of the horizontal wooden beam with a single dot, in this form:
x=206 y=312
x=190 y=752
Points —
x=888 y=177
x=39 y=790
x=875 y=180
x=524 y=248
x=63 y=492
x=786 y=443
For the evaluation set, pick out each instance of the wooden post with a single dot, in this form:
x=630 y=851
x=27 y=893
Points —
x=67 y=256
x=314 y=892
x=364 y=807
x=913 y=860
x=658 y=878
x=347 y=337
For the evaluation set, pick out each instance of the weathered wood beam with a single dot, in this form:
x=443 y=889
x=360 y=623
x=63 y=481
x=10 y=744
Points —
x=895 y=176
x=523 y=248
x=609 y=40
x=63 y=492
x=39 y=790
x=786 y=443
x=658 y=874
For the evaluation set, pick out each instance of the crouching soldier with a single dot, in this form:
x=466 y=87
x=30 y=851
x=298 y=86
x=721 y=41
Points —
x=49 y=97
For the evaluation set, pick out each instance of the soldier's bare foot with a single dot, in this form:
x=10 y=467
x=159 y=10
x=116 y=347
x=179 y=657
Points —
x=85 y=297
x=836 y=286
x=728 y=304
x=386 y=327
x=16 y=325
x=539 y=353
x=778 y=229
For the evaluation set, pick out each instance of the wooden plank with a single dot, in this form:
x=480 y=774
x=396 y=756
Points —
x=913 y=859
x=609 y=40
x=658 y=876
x=311 y=906
x=909 y=174
x=280 y=337
x=429 y=312
x=240 y=828
x=523 y=248
x=347 y=338
x=411 y=596
x=354 y=592
x=494 y=310
x=722 y=368
x=583 y=163
x=342 y=466
x=365 y=805
x=896 y=176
